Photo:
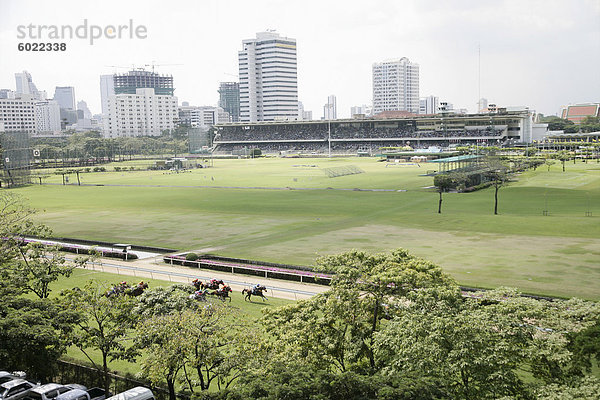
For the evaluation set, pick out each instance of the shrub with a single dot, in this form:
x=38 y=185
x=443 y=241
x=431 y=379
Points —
x=117 y=169
x=191 y=257
x=132 y=168
x=87 y=169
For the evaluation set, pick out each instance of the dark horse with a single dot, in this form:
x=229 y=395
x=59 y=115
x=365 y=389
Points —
x=223 y=293
x=213 y=284
x=136 y=291
x=255 y=291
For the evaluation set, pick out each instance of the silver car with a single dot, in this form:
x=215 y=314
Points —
x=15 y=389
x=50 y=391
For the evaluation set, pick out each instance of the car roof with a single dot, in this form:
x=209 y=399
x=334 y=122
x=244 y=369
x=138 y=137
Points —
x=46 y=388
x=71 y=394
x=131 y=393
x=13 y=383
x=4 y=373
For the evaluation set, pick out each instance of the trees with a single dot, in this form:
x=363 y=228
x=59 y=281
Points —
x=336 y=329
x=443 y=182
x=103 y=323
x=563 y=156
x=496 y=171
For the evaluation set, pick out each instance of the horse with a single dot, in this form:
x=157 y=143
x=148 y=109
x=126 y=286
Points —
x=197 y=284
x=223 y=293
x=255 y=291
x=213 y=284
x=138 y=290
x=199 y=295
x=117 y=289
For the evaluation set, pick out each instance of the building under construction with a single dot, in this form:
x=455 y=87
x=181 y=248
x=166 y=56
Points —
x=17 y=157
x=137 y=79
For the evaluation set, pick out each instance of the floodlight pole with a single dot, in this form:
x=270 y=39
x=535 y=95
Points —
x=329 y=136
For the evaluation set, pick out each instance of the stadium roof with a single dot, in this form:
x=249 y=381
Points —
x=456 y=158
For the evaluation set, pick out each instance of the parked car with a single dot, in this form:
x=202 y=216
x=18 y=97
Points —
x=6 y=376
x=15 y=389
x=79 y=394
x=50 y=391
x=137 y=393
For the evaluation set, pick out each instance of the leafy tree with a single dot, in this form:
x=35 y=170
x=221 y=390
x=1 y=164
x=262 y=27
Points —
x=32 y=334
x=103 y=324
x=563 y=156
x=497 y=172
x=336 y=329
x=585 y=346
x=471 y=352
x=443 y=182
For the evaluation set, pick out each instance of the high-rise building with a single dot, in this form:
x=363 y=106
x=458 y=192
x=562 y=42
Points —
x=396 y=86
x=330 y=108
x=429 y=105
x=18 y=114
x=229 y=99
x=268 y=78
x=25 y=85
x=47 y=116
x=141 y=114
x=361 y=111
x=131 y=81
x=82 y=105
x=65 y=97
x=202 y=116
x=107 y=89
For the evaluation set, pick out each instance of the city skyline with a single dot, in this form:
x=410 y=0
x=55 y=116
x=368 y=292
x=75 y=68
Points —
x=538 y=54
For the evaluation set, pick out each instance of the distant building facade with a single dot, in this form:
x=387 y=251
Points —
x=578 y=112
x=141 y=114
x=428 y=105
x=25 y=85
x=268 y=78
x=229 y=99
x=202 y=116
x=47 y=117
x=330 y=108
x=65 y=97
x=18 y=114
x=396 y=86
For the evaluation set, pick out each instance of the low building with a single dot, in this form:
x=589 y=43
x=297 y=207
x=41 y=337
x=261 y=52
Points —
x=578 y=112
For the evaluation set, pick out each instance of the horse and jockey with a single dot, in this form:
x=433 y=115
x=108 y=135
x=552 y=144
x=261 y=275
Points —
x=256 y=290
x=218 y=287
x=123 y=288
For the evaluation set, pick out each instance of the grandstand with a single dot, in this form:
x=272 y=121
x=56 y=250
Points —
x=351 y=136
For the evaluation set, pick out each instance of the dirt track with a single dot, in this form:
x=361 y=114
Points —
x=156 y=269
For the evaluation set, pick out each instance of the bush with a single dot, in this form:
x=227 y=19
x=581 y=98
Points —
x=191 y=257
x=117 y=169
x=99 y=169
x=132 y=168
x=87 y=169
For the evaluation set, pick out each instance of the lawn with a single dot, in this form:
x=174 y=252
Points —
x=553 y=255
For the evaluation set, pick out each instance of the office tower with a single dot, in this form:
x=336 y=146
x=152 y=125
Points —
x=202 y=116
x=396 y=86
x=229 y=99
x=65 y=97
x=429 y=105
x=18 y=114
x=25 y=85
x=268 y=78
x=47 y=116
x=330 y=108
x=83 y=107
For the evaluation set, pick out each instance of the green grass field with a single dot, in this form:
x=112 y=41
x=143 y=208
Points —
x=246 y=311
x=558 y=254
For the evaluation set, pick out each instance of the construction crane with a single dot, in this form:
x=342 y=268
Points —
x=158 y=65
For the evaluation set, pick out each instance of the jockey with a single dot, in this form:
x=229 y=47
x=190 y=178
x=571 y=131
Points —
x=141 y=283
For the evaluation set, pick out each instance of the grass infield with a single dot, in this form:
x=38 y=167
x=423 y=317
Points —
x=557 y=254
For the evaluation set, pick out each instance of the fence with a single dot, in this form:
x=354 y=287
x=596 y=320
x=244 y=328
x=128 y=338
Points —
x=70 y=372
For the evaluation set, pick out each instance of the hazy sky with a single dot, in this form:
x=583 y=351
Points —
x=542 y=54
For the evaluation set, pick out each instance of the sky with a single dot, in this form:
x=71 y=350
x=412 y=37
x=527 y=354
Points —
x=540 y=54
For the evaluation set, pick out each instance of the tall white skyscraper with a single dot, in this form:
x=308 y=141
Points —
x=65 y=97
x=268 y=78
x=330 y=108
x=47 y=116
x=396 y=86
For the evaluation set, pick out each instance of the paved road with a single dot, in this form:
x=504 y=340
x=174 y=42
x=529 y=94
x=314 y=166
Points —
x=156 y=269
